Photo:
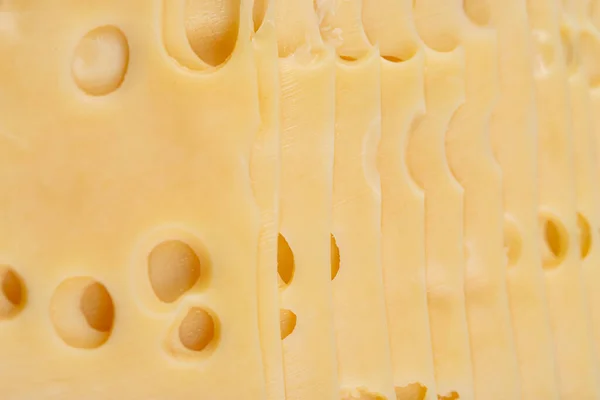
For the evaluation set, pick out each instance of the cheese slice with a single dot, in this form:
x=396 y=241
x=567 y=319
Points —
x=561 y=257
x=513 y=132
x=402 y=201
x=426 y=157
x=363 y=351
x=264 y=173
x=495 y=367
x=117 y=229
x=307 y=74
x=587 y=169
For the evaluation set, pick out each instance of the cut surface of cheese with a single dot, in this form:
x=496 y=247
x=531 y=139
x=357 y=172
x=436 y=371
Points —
x=362 y=340
x=513 y=131
x=426 y=157
x=307 y=74
x=560 y=241
x=495 y=367
x=402 y=201
x=118 y=226
x=264 y=174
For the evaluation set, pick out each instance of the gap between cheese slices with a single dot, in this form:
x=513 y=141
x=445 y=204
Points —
x=469 y=154
x=389 y=24
x=587 y=166
x=561 y=244
x=363 y=351
x=264 y=172
x=426 y=158
x=307 y=76
x=513 y=131
x=127 y=148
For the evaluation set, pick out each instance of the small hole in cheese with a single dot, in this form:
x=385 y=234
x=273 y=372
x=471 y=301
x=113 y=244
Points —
x=287 y=322
x=285 y=260
x=12 y=292
x=413 y=391
x=335 y=258
x=585 y=235
x=173 y=269
x=197 y=329
x=97 y=307
x=211 y=27
x=554 y=242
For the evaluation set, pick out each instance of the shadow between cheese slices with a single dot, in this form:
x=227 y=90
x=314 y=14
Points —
x=264 y=173
x=495 y=367
x=307 y=107
x=363 y=352
x=513 y=131
x=588 y=149
x=426 y=158
x=558 y=210
x=90 y=177
x=402 y=201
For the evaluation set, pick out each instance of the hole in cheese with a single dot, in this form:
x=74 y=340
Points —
x=285 y=260
x=100 y=61
x=258 y=13
x=478 y=11
x=173 y=268
x=287 y=323
x=554 y=242
x=12 y=292
x=449 y=396
x=335 y=258
x=413 y=391
x=197 y=329
x=512 y=241
x=211 y=27
x=82 y=312
x=585 y=235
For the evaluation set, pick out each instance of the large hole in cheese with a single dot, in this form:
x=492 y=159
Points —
x=211 y=27
x=173 y=268
x=12 y=292
x=285 y=261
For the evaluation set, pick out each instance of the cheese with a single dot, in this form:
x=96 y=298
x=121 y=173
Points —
x=495 y=367
x=363 y=350
x=587 y=169
x=264 y=173
x=426 y=158
x=307 y=74
x=402 y=201
x=561 y=257
x=126 y=250
x=513 y=132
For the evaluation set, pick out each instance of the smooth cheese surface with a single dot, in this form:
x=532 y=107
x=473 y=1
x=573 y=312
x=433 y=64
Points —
x=120 y=233
x=495 y=367
x=513 y=133
x=560 y=240
x=426 y=157
x=363 y=352
x=402 y=201
x=307 y=75
x=264 y=174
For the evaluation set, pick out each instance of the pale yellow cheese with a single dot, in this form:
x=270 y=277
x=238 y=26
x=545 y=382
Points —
x=402 y=201
x=138 y=275
x=307 y=75
x=513 y=132
x=561 y=252
x=363 y=351
x=264 y=173
x=587 y=167
x=426 y=158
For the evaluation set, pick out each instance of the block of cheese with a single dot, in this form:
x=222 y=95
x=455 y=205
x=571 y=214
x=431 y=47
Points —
x=495 y=367
x=426 y=157
x=307 y=104
x=117 y=236
x=362 y=341
x=402 y=201
x=513 y=132
x=587 y=168
x=561 y=250
x=264 y=174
